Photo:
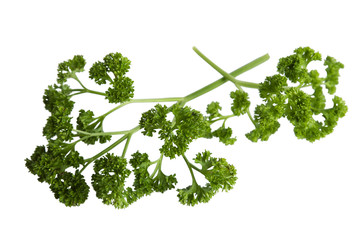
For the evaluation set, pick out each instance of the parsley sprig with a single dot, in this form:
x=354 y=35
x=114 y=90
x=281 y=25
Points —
x=283 y=96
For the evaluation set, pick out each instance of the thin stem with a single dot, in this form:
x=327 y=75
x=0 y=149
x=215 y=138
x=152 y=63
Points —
x=223 y=80
x=182 y=101
x=158 y=166
x=203 y=90
x=81 y=91
x=113 y=110
x=90 y=160
x=216 y=67
x=126 y=146
x=78 y=93
x=106 y=149
x=231 y=78
x=74 y=76
x=132 y=131
x=251 y=118
x=196 y=168
x=190 y=168
x=152 y=100
x=222 y=118
x=247 y=84
x=146 y=100
x=95 y=92
x=102 y=133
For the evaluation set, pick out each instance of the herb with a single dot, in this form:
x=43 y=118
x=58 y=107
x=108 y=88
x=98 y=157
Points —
x=283 y=96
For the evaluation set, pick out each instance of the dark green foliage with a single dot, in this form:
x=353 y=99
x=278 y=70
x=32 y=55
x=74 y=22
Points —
x=220 y=176
x=143 y=183
x=46 y=163
x=188 y=125
x=68 y=68
x=164 y=182
x=295 y=93
x=88 y=123
x=49 y=166
x=70 y=189
x=40 y=163
x=113 y=70
x=155 y=119
x=195 y=194
x=57 y=101
x=108 y=181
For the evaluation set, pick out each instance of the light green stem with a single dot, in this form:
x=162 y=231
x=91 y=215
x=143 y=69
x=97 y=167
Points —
x=123 y=138
x=126 y=146
x=223 y=80
x=146 y=100
x=185 y=99
x=230 y=77
x=158 y=166
x=101 y=133
x=190 y=169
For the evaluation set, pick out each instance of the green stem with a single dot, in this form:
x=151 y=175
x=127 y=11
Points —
x=85 y=89
x=113 y=110
x=126 y=146
x=223 y=80
x=132 y=131
x=74 y=76
x=222 y=118
x=147 y=100
x=203 y=90
x=251 y=118
x=216 y=67
x=183 y=100
x=101 y=133
x=95 y=92
x=158 y=166
x=247 y=84
x=190 y=169
x=152 y=100
x=231 y=78
x=81 y=91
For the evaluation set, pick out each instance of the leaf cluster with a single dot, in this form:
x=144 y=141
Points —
x=57 y=101
x=50 y=164
x=296 y=93
x=111 y=173
x=112 y=70
x=281 y=99
x=188 y=124
x=239 y=106
x=88 y=123
x=69 y=68
x=220 y=176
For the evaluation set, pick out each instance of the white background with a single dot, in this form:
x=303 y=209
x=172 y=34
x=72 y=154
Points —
x=287 y=188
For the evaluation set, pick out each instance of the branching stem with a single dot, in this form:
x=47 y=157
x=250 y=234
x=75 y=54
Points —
x=101 y=133
x=190 y=166
x=226 y=77
x=126 y=146
x=158 y=166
